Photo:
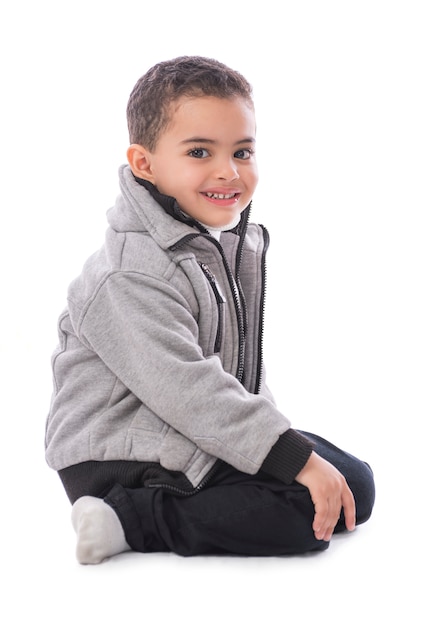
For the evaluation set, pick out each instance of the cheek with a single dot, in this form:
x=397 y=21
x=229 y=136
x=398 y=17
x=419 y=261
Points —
x=165 y=182
x=254 y=177
x=188 y=180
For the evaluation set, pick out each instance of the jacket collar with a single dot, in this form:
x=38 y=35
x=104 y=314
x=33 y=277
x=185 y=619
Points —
x=137 y=209
x=170 y=205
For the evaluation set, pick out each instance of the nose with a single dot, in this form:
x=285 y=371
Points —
x=227 y=170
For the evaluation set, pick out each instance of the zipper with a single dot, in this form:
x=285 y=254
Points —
x=239 y=305
x=262 y=310
x=238 y=298
x=220 y=301
x=179 y=491
x=183 y=241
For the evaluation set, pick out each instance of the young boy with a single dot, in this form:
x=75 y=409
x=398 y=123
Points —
x=162 y=428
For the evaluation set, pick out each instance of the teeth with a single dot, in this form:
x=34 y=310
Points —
x=221 y=196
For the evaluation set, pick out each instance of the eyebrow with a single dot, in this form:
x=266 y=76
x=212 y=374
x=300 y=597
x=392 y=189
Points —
x=212 y=141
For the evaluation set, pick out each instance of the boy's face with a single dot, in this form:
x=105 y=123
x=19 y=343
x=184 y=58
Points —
x=205 y=158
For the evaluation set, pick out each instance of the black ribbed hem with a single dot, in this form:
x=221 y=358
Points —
x=288 y=456
x=96 y=478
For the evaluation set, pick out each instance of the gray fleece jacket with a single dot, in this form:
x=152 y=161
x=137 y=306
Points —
x=159 y=356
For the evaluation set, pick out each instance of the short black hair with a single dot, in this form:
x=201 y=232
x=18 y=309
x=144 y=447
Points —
x=149 y=107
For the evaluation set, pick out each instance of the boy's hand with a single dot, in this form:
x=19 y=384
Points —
x=329 y=492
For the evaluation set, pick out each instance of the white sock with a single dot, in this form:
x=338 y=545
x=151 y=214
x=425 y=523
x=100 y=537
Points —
x=99 y=531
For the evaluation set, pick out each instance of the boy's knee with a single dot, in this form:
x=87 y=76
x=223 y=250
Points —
x=364 y=494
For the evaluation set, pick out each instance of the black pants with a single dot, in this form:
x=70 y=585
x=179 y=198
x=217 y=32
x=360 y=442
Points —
x=237 y=513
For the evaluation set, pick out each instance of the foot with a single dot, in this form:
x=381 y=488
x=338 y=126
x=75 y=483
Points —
x=99 y=531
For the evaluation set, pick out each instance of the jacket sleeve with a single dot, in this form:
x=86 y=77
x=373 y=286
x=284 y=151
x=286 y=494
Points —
x=146 y=332
x=288 y=456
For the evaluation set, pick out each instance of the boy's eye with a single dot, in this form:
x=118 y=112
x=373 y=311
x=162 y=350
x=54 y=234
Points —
x=244 y=154
x=199 y=153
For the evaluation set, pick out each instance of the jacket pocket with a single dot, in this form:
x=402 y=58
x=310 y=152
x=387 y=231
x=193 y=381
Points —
x=220 y=301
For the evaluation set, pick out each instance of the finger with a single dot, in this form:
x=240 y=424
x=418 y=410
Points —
x=326 y=517
x=349 y=507
x=320 y=517
x=324 y=521
x=325 y=531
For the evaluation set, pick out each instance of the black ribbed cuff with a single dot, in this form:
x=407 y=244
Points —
x=288 y=456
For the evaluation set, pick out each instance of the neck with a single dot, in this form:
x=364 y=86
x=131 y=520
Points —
x=216 y=231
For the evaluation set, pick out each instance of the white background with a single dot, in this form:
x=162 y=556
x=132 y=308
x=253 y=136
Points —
x=341 y=98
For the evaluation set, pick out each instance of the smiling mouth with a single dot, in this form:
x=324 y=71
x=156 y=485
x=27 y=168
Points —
x=221 y=196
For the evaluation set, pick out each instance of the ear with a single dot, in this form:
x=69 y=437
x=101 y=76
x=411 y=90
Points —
x=139 y=159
